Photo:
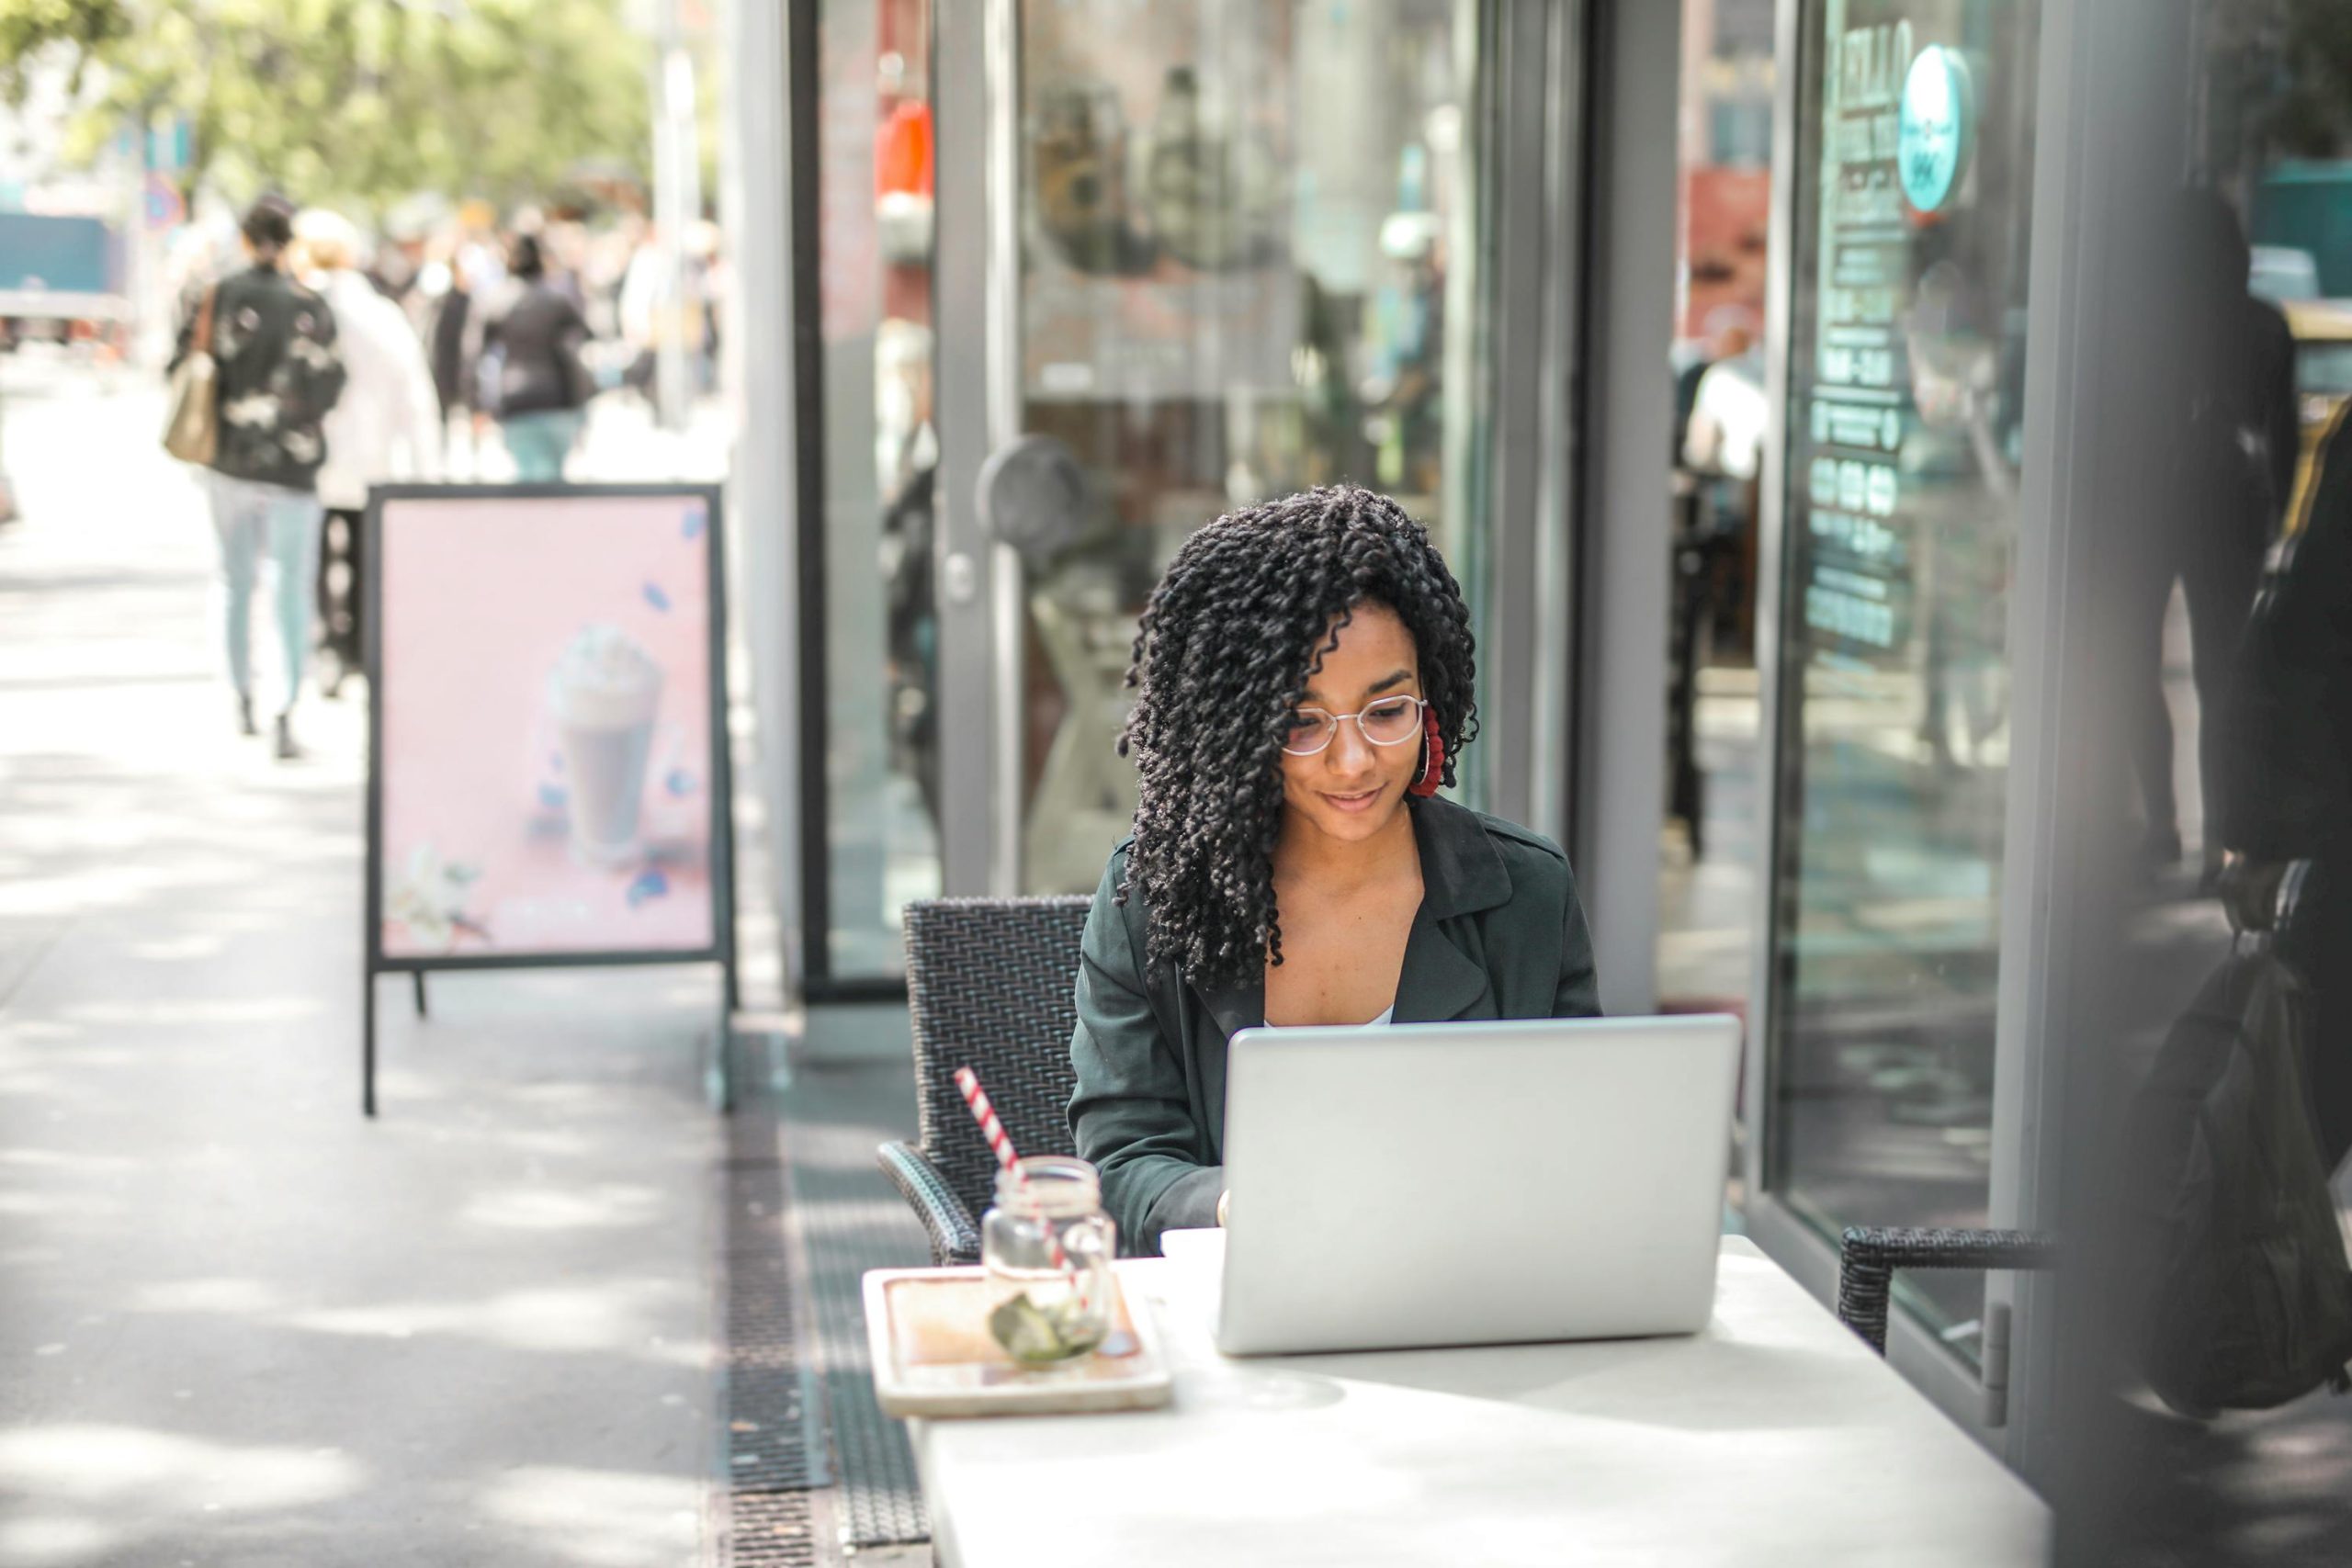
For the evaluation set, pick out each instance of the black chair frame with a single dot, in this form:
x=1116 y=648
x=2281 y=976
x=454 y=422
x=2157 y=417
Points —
x=1869 y=1257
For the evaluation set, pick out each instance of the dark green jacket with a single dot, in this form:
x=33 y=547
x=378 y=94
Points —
x=1499 y=934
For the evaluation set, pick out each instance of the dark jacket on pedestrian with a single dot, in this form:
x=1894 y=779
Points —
x=1499 y=934
x=448 y=338
x=2291 y=798
x=274 y=343
x=532 y=339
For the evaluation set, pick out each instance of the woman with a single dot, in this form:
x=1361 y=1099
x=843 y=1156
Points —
x=279 y=371
x=531 y=373
x=387 y=424
x=1306 y=678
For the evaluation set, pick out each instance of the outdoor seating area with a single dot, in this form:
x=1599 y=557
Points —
x=1778 y=1421
x=889 y=783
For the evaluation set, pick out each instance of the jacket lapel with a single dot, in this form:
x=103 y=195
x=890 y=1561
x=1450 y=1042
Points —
x=1235 y=1006
x=1438 y=980
x=1461 y=874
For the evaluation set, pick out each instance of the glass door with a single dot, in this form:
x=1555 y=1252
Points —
x=1193 y=254
x=1905 y=428
x=866 y=469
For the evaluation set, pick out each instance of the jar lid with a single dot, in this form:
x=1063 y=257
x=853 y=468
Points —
x=1058 y=1187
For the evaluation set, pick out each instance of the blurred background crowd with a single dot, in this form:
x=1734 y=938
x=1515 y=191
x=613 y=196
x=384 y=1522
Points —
x=428 y=142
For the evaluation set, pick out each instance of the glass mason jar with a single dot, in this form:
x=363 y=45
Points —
x=1039 y=1311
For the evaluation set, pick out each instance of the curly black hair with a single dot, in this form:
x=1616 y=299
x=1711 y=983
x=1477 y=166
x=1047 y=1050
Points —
x=1225 y=648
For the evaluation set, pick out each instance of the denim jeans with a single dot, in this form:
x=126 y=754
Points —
x=252 y=519
x=540 y=442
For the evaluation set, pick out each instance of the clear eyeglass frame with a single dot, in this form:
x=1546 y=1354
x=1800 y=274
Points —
x=1331 y=721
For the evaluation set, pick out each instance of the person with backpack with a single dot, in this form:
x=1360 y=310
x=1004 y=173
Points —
x=275 y=373
x=531 y=377
x=2245 y=1287
x=2226 y=453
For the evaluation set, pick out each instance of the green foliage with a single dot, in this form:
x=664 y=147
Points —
x=356 y=102
x=30 y=28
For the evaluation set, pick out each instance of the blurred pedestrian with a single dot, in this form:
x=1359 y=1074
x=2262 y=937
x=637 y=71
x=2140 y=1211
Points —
x=2291 y=799
x=532 y=376
x=448 y=320
x=279 y=373
x=2226 y=464
x=386 y=426
x=1728 y=337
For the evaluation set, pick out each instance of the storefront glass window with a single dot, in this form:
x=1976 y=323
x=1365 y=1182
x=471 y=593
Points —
x=877 y=451
x=1906 y=420
x=1708 y=860
x=1250 y=247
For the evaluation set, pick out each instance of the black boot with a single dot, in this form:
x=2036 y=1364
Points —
x=286 y=751
x=246 y=725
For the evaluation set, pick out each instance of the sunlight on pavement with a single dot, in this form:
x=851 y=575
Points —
x=549 y=1209
x=623 y=1318
x=600 y=1518
x=37 y=1539
x=185 y=1014
x=620 y=1319
x=136 y=1482
x=223 y=1295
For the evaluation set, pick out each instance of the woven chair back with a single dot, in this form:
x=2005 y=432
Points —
x=991 y=985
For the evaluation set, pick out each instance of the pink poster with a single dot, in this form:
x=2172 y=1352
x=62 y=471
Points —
x=544 y=750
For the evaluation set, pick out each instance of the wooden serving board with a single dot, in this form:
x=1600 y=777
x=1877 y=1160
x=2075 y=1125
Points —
x=933 y=1355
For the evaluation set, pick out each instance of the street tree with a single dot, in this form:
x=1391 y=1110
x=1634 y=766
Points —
x=353 y=102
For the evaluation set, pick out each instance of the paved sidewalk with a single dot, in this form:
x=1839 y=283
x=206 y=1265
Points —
x=240 y=1326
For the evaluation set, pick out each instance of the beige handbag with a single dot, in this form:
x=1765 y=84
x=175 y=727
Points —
x=192 y=433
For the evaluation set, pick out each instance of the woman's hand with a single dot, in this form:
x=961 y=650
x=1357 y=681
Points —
x=1222 y=1199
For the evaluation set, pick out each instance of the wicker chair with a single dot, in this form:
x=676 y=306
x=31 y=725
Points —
x=989 y=987
x=1868 y=1257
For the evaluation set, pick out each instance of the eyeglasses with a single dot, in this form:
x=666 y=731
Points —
x=1391 y=721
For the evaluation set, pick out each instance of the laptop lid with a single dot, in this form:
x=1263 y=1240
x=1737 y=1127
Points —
x=1475 y=1183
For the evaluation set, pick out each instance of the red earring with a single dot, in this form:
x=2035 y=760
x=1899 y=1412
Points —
x=1432 y=756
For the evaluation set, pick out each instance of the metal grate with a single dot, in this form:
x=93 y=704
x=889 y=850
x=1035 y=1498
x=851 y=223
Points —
x=774 y=1444
x=850 y=1219
x=771 y=1530
x=774 y=1440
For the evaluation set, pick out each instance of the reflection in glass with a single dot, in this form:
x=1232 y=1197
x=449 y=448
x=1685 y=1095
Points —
x=879 y=454
x=1905 y=430
x=1708 y=859
x=2237 y=591
x=1247 y=262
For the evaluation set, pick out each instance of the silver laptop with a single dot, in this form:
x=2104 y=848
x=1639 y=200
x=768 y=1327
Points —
x=1442 y=1184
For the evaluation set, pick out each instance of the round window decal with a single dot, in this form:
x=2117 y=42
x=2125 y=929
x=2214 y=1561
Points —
x=1935 y=126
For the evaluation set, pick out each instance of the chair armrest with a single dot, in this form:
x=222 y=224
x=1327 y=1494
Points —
x=955 y=1235
x=1868 y=1257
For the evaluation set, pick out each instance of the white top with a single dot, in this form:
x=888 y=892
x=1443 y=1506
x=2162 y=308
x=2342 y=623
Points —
x=387 y=424
x=1772 y=1436
x=1387 y=1016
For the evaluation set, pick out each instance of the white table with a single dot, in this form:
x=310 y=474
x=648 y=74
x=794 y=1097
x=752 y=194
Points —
x=1774 y=1437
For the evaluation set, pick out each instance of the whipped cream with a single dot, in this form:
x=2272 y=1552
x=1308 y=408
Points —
x=605 y=680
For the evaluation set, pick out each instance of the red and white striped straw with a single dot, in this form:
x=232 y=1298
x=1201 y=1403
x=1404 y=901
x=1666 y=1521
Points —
x=1001 y=1146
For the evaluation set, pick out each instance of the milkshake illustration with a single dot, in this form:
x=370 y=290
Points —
x=605 y=691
